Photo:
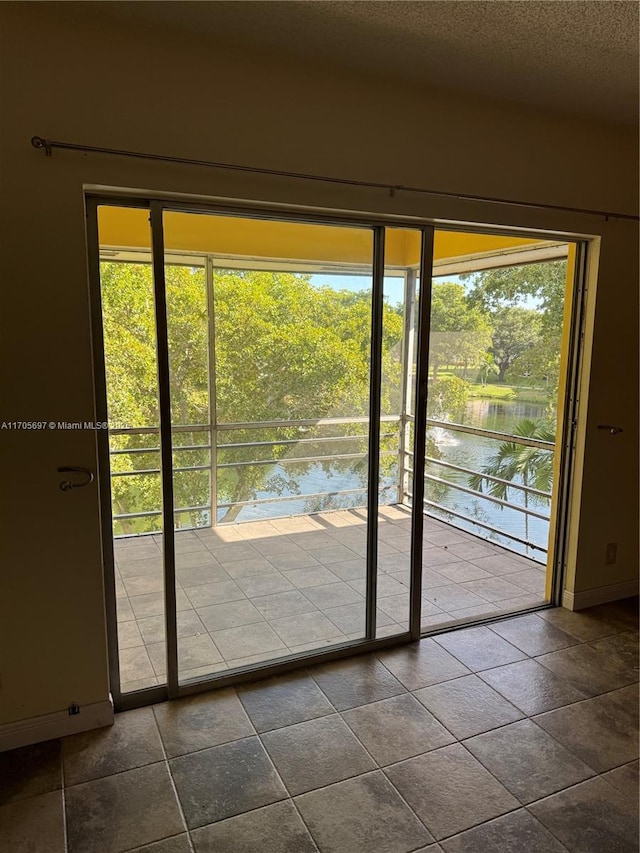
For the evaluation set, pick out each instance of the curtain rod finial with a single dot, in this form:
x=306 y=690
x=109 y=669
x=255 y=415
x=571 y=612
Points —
x=39 y=142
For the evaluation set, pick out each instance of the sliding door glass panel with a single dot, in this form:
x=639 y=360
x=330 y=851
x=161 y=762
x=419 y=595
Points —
x=269 y=327
x=398 y=390
x=497 y=326
x=188 y=340
x=131 y=368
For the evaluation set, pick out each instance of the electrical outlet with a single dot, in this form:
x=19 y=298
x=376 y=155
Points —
x=611 y=554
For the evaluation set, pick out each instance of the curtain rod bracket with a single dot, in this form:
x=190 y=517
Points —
x=39 y=142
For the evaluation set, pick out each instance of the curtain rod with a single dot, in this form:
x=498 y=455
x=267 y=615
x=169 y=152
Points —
x=49 y=144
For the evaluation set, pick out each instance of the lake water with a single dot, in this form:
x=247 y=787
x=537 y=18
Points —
x=468 y=451
x=474 y=452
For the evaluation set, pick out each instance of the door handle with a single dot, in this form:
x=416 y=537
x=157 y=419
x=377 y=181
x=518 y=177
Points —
x=66 y=485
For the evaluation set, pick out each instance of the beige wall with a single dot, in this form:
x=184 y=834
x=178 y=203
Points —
x=96 y=85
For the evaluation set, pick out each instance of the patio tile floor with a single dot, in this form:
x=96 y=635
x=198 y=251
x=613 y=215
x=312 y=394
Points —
x=265 y=589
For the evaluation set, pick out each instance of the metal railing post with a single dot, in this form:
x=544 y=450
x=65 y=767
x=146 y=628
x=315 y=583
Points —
x=408 y=333
x=213 y=414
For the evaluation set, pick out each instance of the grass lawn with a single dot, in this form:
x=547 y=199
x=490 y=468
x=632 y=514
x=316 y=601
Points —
x=492 y=392
x=509 y=392
x=505 y=393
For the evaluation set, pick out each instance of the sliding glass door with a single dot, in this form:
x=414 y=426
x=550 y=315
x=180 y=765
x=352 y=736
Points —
x=322 y=435
x=284 y=366
x=260 y=380
x=500 y=371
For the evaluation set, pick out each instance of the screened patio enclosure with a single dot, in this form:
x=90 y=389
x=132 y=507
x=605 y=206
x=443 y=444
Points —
x=316 y=425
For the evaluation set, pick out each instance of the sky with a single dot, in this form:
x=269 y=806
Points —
x=393 y=285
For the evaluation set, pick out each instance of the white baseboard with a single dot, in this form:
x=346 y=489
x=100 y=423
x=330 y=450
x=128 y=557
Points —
x=599 y=595
x=58 y=724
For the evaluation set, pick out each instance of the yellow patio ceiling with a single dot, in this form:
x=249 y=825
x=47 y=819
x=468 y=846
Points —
x=128 y=228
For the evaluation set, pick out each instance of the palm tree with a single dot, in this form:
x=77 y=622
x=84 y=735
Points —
x=519 y=463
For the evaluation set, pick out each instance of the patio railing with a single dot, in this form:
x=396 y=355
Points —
x=396 y=489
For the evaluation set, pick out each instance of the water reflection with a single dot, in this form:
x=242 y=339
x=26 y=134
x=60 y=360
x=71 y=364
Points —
x=498 y=415
x=475 y=452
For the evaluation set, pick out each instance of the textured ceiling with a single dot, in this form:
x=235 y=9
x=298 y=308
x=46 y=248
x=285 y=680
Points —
x=567 y=55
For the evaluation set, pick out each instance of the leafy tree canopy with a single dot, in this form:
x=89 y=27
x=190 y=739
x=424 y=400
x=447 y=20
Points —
x=446 y=397
x=543 y=283
x=525 y=349
x=515 y=330
x=284 y=350
x=460 y=331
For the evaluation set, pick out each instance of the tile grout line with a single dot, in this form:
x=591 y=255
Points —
x=339 y=713
x=528 y=719
x=245 y=597
x=237 y=740
x=579 y=642
x=527 y=715
x=289 y=795
x=473 y=757
x=159 y=841
x=376 y=764
x=596 y=773
x=409 y=692
x=512 y=702
x=569 y=749
x=266 y=751
x=173 y=785
x=520 y=807
x=382 y=770
x=117 y=772
x=555 y=794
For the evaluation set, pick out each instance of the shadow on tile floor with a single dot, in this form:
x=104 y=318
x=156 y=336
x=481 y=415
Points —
x=262 y=590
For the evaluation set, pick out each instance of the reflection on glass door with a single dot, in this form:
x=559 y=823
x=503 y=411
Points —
x=269 y=353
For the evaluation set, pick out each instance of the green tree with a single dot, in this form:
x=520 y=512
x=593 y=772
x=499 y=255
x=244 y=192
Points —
x=515 y=330
x=131 y=369
x=542 y=283
x=287 y=350
x=539 y=365
x=487 y=368
x=500 y=292
x=446 y=397
x=445 y=401
x=460 y=332
x=519 y=463
x=284 y=350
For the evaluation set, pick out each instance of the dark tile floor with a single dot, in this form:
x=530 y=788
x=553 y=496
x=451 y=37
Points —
x=518 y=737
